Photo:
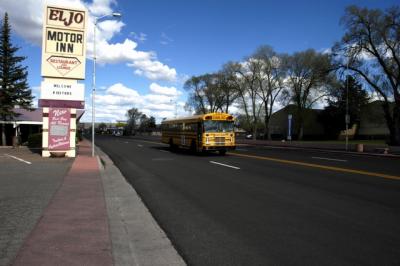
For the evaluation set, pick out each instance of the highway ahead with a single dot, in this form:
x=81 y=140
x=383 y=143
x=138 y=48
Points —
x=266 y=206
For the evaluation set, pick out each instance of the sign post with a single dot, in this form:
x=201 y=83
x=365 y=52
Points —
x=289 y=137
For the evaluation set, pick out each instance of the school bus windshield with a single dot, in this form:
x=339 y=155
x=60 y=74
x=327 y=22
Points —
x=218 y=126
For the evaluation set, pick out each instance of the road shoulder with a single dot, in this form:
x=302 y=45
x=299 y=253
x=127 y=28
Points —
x=136 y=237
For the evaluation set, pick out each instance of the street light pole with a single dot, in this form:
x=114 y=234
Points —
x=347 y=118
x=94 y=82
x=96 y=19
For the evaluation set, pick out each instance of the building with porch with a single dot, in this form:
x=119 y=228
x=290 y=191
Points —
x=26 y=123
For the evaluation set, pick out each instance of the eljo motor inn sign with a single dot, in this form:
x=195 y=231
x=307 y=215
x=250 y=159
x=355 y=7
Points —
x=64 y=43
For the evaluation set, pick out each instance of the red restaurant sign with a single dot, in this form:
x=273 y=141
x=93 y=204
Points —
x=59 y=128
x=63 y=64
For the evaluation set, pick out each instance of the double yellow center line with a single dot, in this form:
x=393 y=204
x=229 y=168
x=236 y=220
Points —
x=325 y=167
x=312 y=165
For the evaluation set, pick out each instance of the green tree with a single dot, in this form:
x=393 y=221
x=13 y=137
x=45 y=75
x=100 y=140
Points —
x=146 y=124
x=120 y=124
x=14 y=89
x=370 y=48
x=348 y=94
x=133 y=116
x=152 y=123
x=102 y=127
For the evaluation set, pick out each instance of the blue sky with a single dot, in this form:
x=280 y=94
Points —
x=145 y=57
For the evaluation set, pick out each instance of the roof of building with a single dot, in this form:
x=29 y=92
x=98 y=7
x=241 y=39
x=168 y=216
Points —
x=34 y=116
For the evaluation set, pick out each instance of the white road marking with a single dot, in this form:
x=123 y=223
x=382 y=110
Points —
x=140 y=145
x=126 y=142
x=226 y=165
x=162 y=159
x=163 y=151
x=16 y=158
x=329 y=159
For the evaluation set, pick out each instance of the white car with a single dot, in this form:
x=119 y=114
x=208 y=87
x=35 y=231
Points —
x=118 y=134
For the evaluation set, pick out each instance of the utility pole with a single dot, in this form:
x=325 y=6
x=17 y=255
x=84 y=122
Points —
x=347 y=118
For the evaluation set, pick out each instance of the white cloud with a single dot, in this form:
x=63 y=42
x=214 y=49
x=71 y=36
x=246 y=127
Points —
x=165 y=39
x=158 y=99
x=36 y=94
x=118 y=52
x=159 y=107
x=120 y=90
x=171 y=91
x=113 y=103
x=29 y=27
x=141 y=37
x=118 y=95
x=326 y=51
x=108 y=29
x=154 y=70
x=101 y=7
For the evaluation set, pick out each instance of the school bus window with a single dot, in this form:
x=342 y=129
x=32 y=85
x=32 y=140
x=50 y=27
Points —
x=218 y=126
x=190 y=127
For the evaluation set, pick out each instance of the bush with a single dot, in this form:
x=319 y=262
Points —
x=78 y=136
x=35 y=140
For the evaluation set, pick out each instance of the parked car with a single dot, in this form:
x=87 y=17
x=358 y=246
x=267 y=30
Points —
x=118 y=133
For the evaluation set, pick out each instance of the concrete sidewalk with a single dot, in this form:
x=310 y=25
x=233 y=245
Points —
x=96 y=218
x=73 y=229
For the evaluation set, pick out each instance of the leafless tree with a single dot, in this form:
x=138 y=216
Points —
x=228 y=87
x=307 y=75
x=204 y=93
x=270 y=81
x=370 y=49
x=247 y=74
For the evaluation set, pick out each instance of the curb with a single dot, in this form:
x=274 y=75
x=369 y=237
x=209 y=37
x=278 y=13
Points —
x=136 y=237
x=389 y=155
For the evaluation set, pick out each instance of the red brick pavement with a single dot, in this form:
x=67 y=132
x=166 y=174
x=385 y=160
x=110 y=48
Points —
x=73 y=229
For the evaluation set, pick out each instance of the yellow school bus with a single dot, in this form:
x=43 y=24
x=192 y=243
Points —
x=207 y=132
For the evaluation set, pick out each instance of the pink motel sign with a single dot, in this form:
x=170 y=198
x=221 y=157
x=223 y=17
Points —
x=59 y=129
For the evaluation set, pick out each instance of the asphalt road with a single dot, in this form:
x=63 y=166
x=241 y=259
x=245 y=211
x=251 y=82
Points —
x=267 y=206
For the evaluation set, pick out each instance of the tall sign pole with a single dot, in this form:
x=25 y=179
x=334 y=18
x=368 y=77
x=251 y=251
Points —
x=94 y=84
x=63 y=64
